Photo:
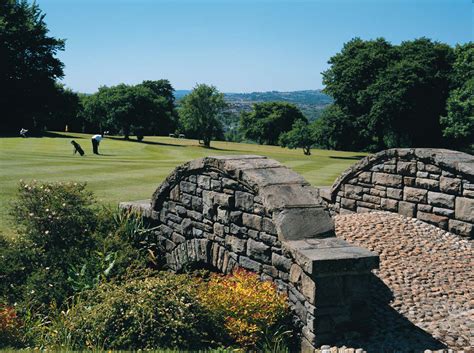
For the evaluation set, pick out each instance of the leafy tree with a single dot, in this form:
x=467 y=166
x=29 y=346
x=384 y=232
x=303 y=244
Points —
x=458 y=124
x=199 y=112
x=268 y=120
x=29 y=67
x=65 y=107
x=300 y=136
x=146 y=108
x=336 y=130
x=394 y=94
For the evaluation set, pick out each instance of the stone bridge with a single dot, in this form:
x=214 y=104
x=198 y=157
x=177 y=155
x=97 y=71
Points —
x=433 y=185
x=250 y=211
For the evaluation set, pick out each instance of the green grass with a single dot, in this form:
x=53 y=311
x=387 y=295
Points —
x=129 y=170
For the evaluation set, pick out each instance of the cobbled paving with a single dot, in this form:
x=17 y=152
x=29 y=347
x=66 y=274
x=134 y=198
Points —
x=423 y=293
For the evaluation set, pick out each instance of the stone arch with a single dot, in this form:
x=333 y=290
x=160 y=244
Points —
x=433 y=185
x=252 y=212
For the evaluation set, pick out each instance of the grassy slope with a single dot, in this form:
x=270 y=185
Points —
x=128 y=170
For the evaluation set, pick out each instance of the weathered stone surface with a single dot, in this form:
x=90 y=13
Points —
x=187 y=187
x=281 y=262
x=440 y=199
x=204 y=182
x=387 y=179
x=249 y=264
x=389 y=204
x=371 y=198
x=353 y=192
x=236 y=244
x=258 y=250
x=462 y=228
x=429 y=184
x=244 y=200
x=252 y=221
x=440 y=221
x=406 y=168
x=465 y=209
x=407 y=209
x=365 y=177
x=396 y=194
x=414 y=194
x=348 y=203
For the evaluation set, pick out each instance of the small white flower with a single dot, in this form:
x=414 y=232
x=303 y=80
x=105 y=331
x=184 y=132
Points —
x=32 y=291
x=46 y=232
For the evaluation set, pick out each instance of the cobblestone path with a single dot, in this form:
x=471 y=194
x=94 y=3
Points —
x=423 y=295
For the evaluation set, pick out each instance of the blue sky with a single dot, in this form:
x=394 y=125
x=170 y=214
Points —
x=236 y=45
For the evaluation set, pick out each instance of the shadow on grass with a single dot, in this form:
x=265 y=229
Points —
x=349 y=157
x=144 y=142
x=389 y=330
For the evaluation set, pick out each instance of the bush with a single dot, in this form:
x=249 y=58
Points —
x=9 y=326
x=143 y=313
x=58 y=218
x=250 y=310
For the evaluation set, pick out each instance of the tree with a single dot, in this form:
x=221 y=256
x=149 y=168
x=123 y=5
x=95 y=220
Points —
x=300 y=136
x=458 y=124
x=336 y=130
x=394 y=94
x=146 y=108
x=29 y=67
x=268 y=120
x=200 y=110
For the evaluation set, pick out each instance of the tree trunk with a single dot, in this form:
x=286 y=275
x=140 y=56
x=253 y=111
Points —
x=207 y=142
x=307 y=151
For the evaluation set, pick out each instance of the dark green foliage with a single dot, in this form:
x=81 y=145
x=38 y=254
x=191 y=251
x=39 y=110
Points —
x=199 y=113
x=458 y=124
x=144 y=109
x=267 y=121
x=393 y=95
x=300 y=136
x=29 y=67
x=142 y=313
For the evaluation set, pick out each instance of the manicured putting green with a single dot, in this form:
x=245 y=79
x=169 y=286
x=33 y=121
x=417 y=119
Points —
x=131 y=170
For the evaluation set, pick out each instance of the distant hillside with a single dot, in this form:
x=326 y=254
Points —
x=311 y=102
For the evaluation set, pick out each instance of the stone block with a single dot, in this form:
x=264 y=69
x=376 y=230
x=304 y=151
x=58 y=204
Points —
x=425 y=183
x=216 y=185
x=461 y=228
x=204 y=182
x=387 y=179
x=464 y=209
x=308 y=288
x=442 y=211
x=267 y=238
x=244 y=200
x=377 y=192
x=406 y=168
x=187 y=187
x=390 y=168
x=307 y=222
x=422 y=174
x=268 y=226
x=439 y=221
x=229 y=183
x=236 y=244
x=389 y=205
x=406 y=209
x=223 y=215
x=450 y=185
x=219 y=229
x=353 y=192
x=249 y=264
x=371 y=199
x=252 y=221
x=252 y=234
x=365 y=177
x=224 y=200
x=348 y=203
x=281 y=262
x=258 y=250
x=424 y=208
x=414 y=194
x=177 y=238
x=409 y=181
x=368 y=205
x=174 y=193
x=432 y=168
x=295 y=273
x=441 y=200
x=396 y=194
x=197 y=216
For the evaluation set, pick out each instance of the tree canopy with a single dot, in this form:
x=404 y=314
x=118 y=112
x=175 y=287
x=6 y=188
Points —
x=146 y=108
x=393 y=95
x=300 y=136
x=268 y=120
x=29 y=68
x=199 y=112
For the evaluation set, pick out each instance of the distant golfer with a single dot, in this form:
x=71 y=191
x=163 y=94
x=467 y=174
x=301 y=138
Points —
x=77 y=148
x=23 y=132
x=95 y=143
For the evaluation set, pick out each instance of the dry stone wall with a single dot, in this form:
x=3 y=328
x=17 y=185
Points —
x=433 y=185
x=251 y=212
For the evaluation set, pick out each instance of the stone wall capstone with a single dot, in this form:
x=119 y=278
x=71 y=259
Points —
x=433 y=185
x=252 y=212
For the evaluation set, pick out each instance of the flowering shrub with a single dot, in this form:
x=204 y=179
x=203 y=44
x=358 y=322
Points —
x=250 y=310
x=9 y=326
x=143 y=313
